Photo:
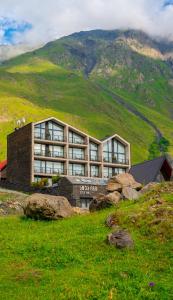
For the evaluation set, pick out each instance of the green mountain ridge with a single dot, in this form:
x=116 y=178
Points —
x=103 y=82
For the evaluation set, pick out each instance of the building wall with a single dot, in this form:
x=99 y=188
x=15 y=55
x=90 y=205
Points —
x=75 y=192
x=19 y=155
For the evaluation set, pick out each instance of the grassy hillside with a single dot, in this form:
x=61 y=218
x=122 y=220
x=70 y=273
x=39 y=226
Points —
x=69 y=259
x=66 y=78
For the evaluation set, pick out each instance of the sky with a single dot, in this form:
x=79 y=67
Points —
x=40 y=21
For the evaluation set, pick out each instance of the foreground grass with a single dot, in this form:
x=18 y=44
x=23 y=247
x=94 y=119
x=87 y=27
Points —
x=69 y=259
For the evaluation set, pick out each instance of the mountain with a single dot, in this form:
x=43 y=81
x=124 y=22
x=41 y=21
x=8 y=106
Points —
x=100 y=81
x=10 y=51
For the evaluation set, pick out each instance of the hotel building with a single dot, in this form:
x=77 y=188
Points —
x=50 y=147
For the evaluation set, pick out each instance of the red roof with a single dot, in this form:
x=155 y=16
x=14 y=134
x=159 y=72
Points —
x=3 y=165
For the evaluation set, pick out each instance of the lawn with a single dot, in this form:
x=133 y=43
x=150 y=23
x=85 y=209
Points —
x=70 y=259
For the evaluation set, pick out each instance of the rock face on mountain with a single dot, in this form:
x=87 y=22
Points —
x=46 y=207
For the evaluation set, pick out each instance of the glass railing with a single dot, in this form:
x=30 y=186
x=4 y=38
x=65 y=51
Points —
x=94 y=174
x=77 y=156
x=58 y=171
x=76 y=141
x=55 y=154
x=50 y=137
x=116 y=160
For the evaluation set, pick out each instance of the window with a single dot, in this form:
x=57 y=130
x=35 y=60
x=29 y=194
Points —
x=119 y=153
x=55 y=132
x=54 y=168
x=56 y=151
x=39 y=166
x=114 y=152
x=48 y=167
x=93 y=152
x=39 y=131
x=76 y=153
x=75 y=138
x=94 y=171
x=76 y=170
x=107 y=151
x=85 y=203
x=39 y=150
x=108 y=172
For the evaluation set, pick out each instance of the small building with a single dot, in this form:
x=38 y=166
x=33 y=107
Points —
x=81 y=191
x=155 y=170
x=3 y=170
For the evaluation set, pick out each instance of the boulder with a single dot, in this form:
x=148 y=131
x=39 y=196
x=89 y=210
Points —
x=80 y=211
x=127 y=180
x=114 y=197
x=130 y=193
x=149 y=187
x=11 y=208
x=113 y=186
x=46 y=207
x=99 y=203
x=120 y=239
x=111 y=221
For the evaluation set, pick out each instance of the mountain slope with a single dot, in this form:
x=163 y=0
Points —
x=101 y=81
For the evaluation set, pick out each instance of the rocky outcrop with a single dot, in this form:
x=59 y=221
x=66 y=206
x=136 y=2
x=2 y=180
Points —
x=113 y=186
x=127 y=180
x=120 y=239
x=149 y=187
x=99 y=203
x=114 y=197
x=130 y=193
x=46 y=207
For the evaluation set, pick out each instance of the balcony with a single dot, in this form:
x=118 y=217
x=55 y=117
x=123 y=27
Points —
x=116 y=161
x=48 y=137
x=50 y=171
x=76 y=141
x=77 y=157
x=53 y=154
x=95 y=158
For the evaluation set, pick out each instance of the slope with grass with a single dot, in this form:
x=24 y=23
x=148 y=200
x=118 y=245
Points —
x=67 y=79
x=70 y=259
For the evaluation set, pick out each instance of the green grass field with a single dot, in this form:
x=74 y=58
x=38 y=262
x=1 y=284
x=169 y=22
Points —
x=70 y=259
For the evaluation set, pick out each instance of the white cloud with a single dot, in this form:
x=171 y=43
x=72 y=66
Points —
x=52 y=19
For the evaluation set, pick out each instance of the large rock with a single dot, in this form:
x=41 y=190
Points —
x=129 y=193
x=127 y=180
x=112 y=221
x=149 y=187
x=114 y=197
x=120 y=239
x=46 y=207
x=99 y=203
x=11 y=208
x=113 y=186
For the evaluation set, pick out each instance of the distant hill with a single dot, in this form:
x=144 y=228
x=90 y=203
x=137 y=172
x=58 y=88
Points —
x=100 y=81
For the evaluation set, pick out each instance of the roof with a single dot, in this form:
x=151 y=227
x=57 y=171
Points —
x=86 y=180
x=147 y=171
x=3 y=165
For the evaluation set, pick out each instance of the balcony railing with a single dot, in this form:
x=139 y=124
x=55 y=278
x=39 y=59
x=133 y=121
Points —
x=78 y=156
x=116 y=161
x=76 y=141
x=76 y=173
x=94 y=174
x=95 y=158
x=53 y=154
x=50 y=171
x=48 y=137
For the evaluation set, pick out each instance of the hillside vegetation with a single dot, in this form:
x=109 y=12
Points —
x=70 y=259
x=103 y=82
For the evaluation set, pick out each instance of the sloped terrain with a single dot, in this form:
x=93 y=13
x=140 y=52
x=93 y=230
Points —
x=70 y=259
x=100 y=81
